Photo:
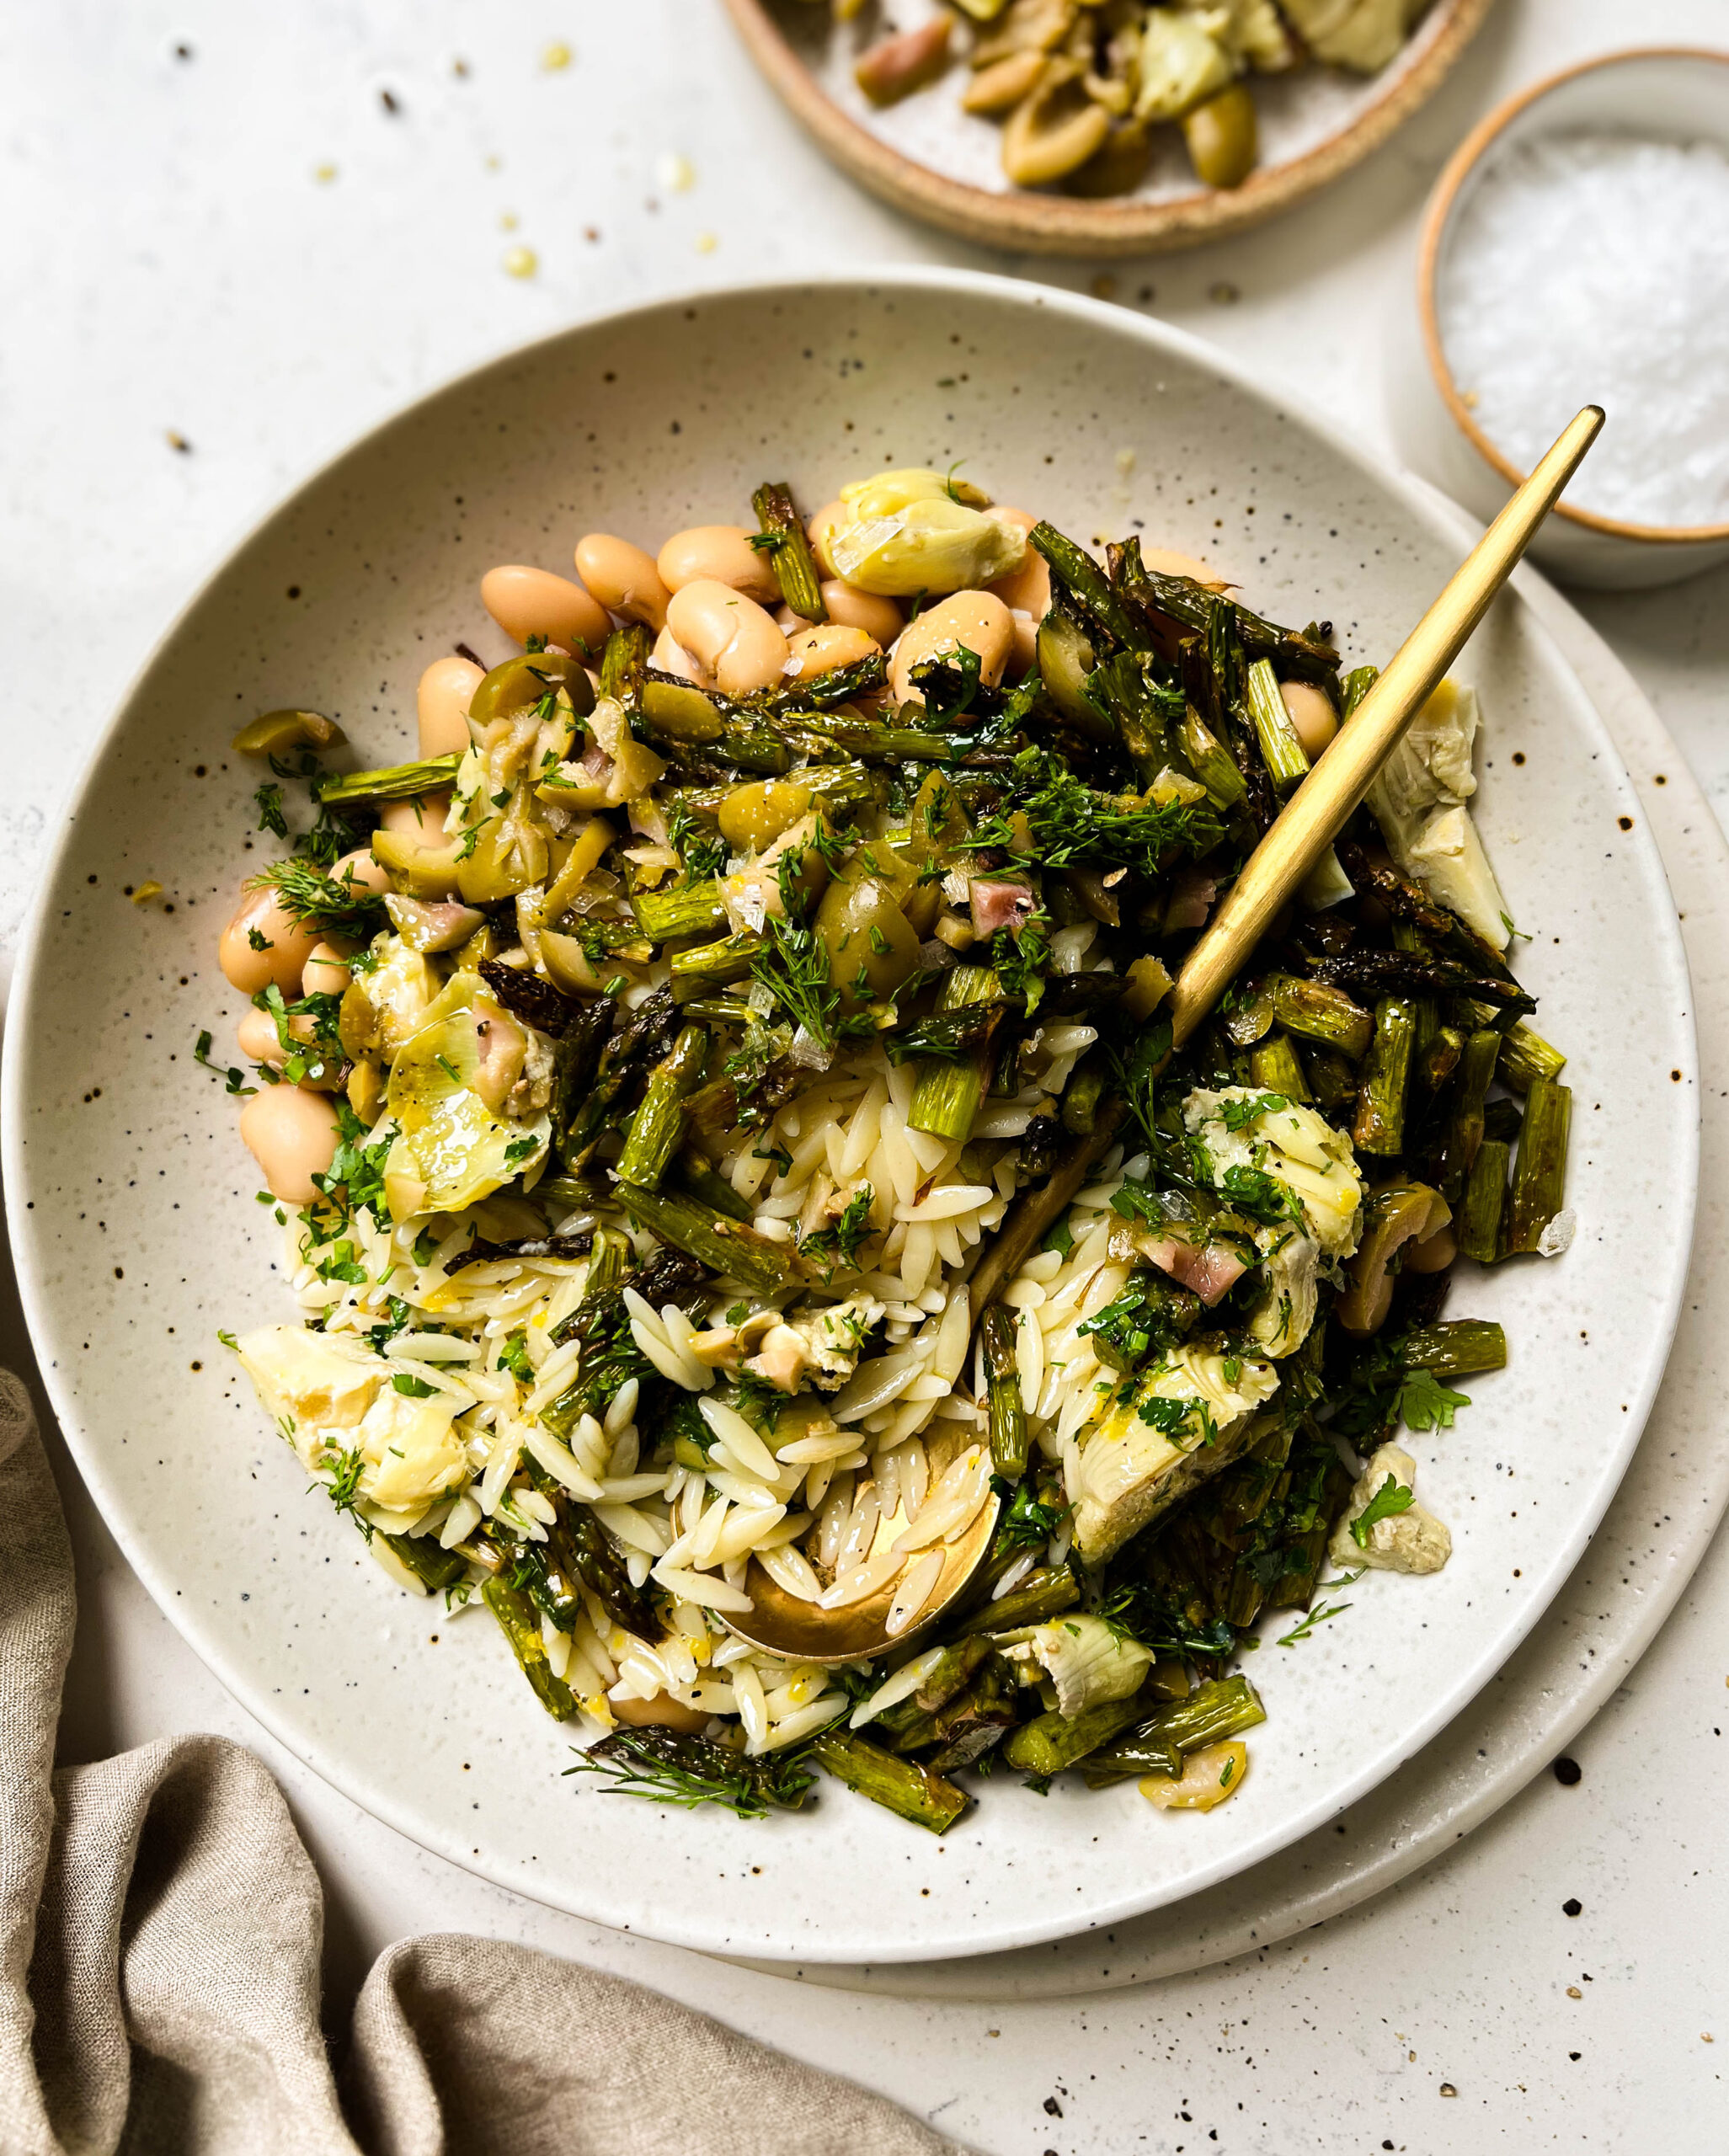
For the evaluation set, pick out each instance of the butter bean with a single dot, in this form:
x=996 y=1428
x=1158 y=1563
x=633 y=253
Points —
x=441 y=701
x=362 y=871
x=1026 y=590
x=256 y=1036
x=1166 y=561
x=818 y=530
x=977 y=619
x=327 y=971
x=526 y=602
x=670 y=656
x=1312 y=715
x=820 y=650
x=718 y=554
x=422 y=818
x=263 y=944
x=850 y=608
x=729 y=634
x=622 y=578
x=291 y=1134
x=258 y=1042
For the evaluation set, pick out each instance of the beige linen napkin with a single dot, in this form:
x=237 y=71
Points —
x=160 y=1927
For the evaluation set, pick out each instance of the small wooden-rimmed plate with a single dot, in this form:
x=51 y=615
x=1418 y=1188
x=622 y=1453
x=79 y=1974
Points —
x=927 y=157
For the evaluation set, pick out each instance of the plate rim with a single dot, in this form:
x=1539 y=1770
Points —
x=1064 y=224
x=24 y=1223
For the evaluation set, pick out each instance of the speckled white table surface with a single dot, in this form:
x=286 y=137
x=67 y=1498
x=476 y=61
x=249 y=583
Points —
x=235 y=236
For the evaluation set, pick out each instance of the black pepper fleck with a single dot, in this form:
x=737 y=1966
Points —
x=1567 y=1772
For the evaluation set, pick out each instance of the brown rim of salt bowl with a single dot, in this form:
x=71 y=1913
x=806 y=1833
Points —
x=1063 y=224
x=1465 y=161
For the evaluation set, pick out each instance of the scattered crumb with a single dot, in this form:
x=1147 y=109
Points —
x=556 y=57
x=323 y=173
x=145 y=892
x=1468 y=397
x=1574 y=1992
x=176 y=441
x=1448 y=2089
x=508 y=222
x=388 y=99
x=521 y=262
x=674 y=173
x=1125 y=460
x=707 y=243
x=1224 y=293
x=1103 y=286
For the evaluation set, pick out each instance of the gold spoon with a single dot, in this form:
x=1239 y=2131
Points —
x=1317 y=812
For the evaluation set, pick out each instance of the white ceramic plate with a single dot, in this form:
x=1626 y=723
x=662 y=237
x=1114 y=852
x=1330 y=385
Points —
x=131 y=1199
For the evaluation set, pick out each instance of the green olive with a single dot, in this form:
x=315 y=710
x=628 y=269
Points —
x=1119 y=167
x=356 y=1022
x=939 y=826
x=418 y=870
x=569 y=966
x=485 y=942
x=510 y=855
x=275 y=732
x=1065 y=658
x=1221 y=137
x=680 y=709
x=752 y=817
x=520 y=682
x=1405 y=1213
x=871 y=947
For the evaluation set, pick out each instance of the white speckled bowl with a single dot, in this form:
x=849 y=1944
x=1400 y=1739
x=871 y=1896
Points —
x=131 y=1199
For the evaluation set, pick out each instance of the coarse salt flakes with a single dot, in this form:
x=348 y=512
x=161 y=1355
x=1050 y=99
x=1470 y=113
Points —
x=1593 y=268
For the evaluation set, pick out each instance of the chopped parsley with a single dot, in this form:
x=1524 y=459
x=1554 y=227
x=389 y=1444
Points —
x=233 y=1074
x=1238 y=1115
x=1392 y=1498
x=1424 y=1403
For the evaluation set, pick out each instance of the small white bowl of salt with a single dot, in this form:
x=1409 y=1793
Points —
x=1576 y=251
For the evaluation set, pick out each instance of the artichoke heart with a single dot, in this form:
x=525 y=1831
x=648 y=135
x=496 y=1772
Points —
x=1419 y=801
x=1361 y=34
x=450 y=1150
x=1183 y=62
x=1315 y=1164
x=1187 y=1418
x=914 y=531
x=1088 y=1661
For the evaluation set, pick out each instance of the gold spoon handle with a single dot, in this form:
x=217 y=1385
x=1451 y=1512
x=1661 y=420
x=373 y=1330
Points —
x=1327 y=799
x=1315 y=814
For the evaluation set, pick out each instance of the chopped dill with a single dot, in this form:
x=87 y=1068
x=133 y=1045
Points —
x=671 y=1767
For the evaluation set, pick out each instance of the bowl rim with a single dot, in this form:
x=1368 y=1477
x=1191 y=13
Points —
x=1062 y=224
x=24 y=1221
x=1465 y=161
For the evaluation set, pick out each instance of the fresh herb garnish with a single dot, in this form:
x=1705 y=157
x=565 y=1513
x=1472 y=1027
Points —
x=1424 y=1403
x=838 y=1245
x=1392 y=1498
x=1299 y=1633
x=671 y=1767
x=335 y=905
x=793 y=967
x=234 y=1076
